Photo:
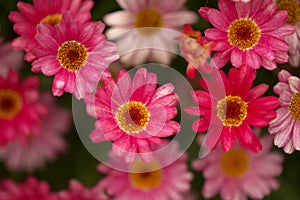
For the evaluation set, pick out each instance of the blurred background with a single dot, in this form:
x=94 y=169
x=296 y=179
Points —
x=77 y=163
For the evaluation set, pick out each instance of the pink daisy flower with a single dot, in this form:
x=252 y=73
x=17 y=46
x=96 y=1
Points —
x=43 y=11
x=133 y=114
x=238 y=173
x=77 y=191
x=144 y=30
x=42 y=147
x=196 y=51
x=75 y=53
x=286 y=126
x=9 y=58
x=148 y=181
x=244 y=1
x=248 y=33
x=293 y=9
x=30 y=189
x=20 y=109
x=229 y=116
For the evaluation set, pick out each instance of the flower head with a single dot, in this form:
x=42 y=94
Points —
x=239 y=173
x=9 y=58
x=20 y=109
x=77 y=191
x=228 y=116
x=150 y=180
x=42 y=147
x=286 y=126
x=50 y=12
x=144 y=30
x=30 y=189
x=293 y=9
x=75 y=53
x=248 y=33
x=133 y=114
x=196 y=51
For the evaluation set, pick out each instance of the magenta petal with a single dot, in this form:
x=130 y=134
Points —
x=219 y=61
x=256 y=92
x=203 y=12
x=200 y=125
x=201 y=98
x=274 y=43
x=236 y=57
x=213 y=137
x=215 y=34
x=278 y=19
x=283 y=133
x=228 y=9
x=296 y=135
x=59 y=82
x=243 y=9
x=227 y=139
x=247 y=138
x=283 y=76
x=285 y=98
x=218 y=19
x=252 y=59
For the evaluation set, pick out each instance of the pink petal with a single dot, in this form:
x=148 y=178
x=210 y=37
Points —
x=218 y=19
x=294 y=83
x=216 y=34
x=247 y=138
x=256 y=92
x=228 y=9
x=227 y=139
x=278 y=19
x=296 y=135
x=201 y=98
x=200 y=125
x=280 y=87
x=252 y=59
x=213 y=137
x=243 y=9
x=236 y=58
x=219 y=61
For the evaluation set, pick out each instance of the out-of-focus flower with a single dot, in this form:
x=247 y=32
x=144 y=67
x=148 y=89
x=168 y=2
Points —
x=230 y=117
x=248 y=33
x=286 y=126
x=148 y=181
x=244 y=1
x=196 y=51
x=77 y=191
x=75 y=53
x=239 y=173
x=42 y=147
x=9 y=58
x=50 y=12
x=20 y=109
x=145 y=30
x=133 y=114
x=30 y=189
x=293 y=9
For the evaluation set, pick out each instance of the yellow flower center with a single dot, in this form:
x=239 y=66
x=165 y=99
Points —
x=10 y=103
x=145 y=176
x=132 y=117
x=232 y=110
x=72 y=55
x=235 y=163
x=294 y=106
x=52 y=19
x=148 y=17
x=293 y=9
x=243 y=33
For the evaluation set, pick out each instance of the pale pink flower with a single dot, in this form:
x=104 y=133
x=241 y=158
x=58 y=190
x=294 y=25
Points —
x=43 y=11
x=239 y=173
x=20 y=109
x=31 y=188
x=286 y=126
x=148 y=181
x=293 y=9
x=133 y=114
x=9 y=58
x=248 y=33
x=77 y=191
x=75 y=53
x=228 y=115
x=196 y=51
x=42 y=147
x=144 y=29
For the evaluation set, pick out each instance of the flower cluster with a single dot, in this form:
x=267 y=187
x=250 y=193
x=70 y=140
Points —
x=141 y=113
